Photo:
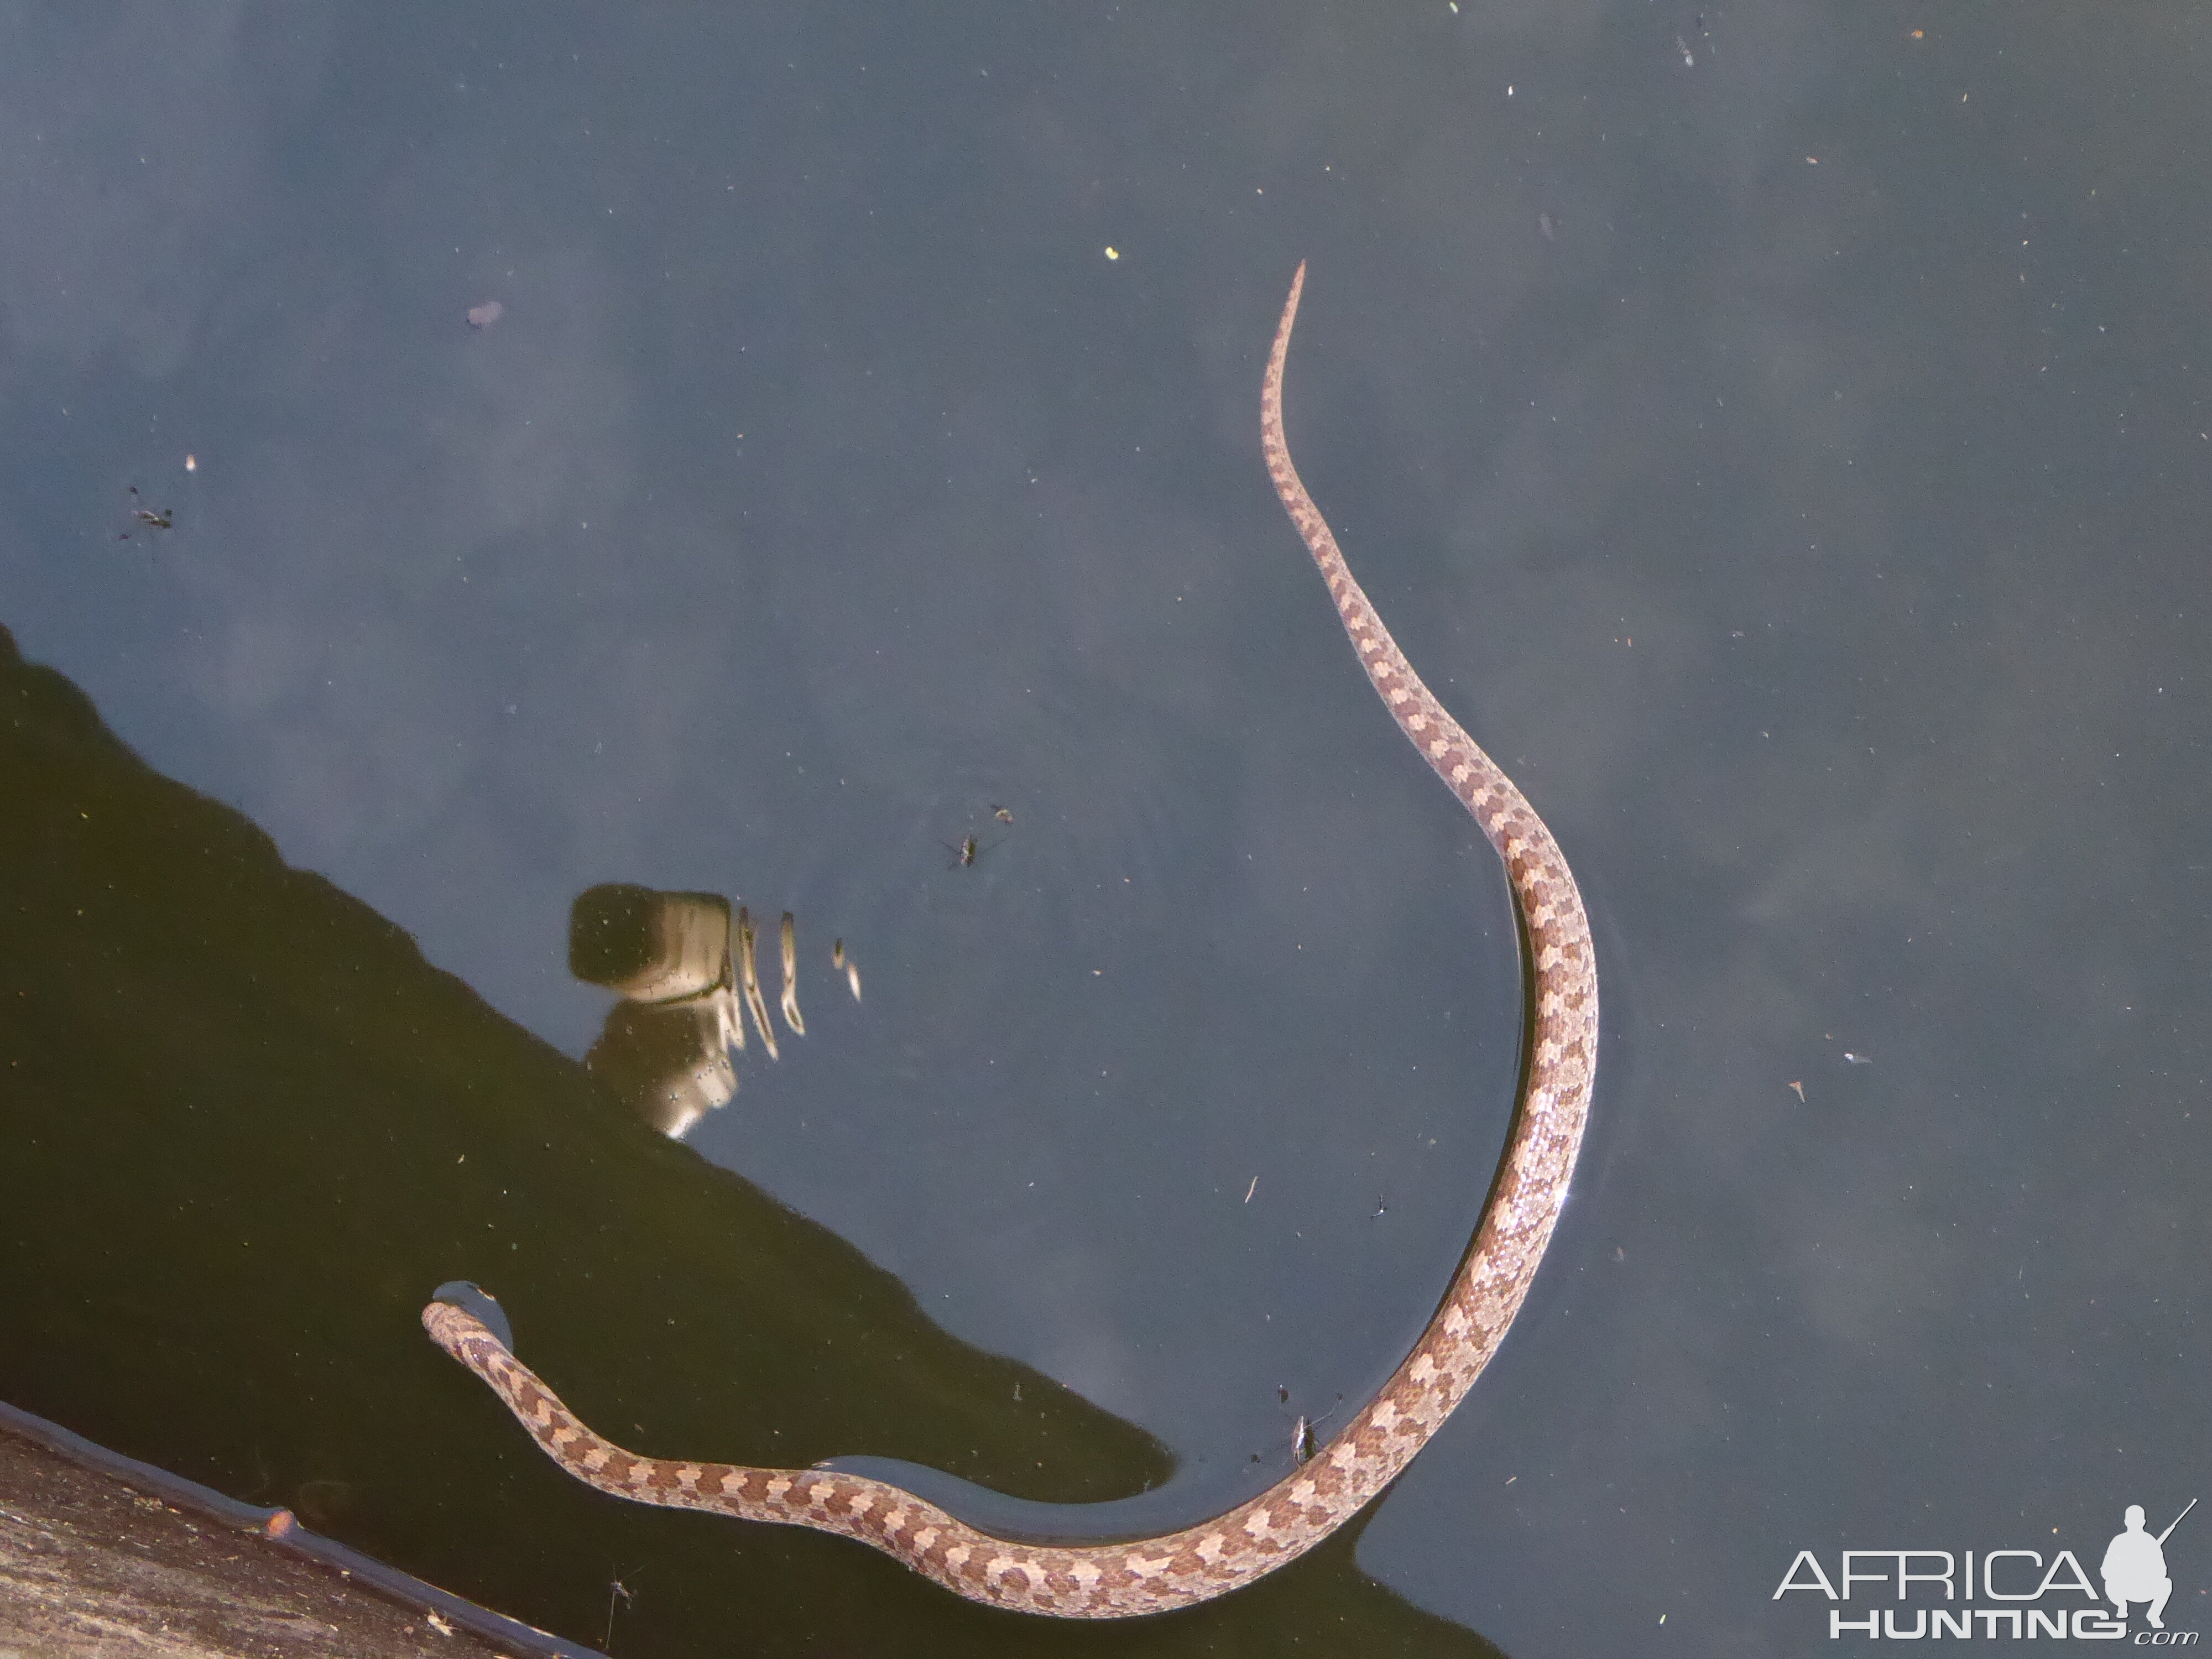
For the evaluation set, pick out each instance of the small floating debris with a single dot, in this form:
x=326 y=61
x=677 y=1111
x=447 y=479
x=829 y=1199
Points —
x=838 y=959
x=1800 y=1087
x=483 y=316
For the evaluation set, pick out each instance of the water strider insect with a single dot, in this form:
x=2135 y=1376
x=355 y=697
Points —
x=615 y=1587
x=1302 y=1444
x=968 y=850
x=148 y=518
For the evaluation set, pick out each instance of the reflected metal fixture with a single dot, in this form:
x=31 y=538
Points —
x=684 y=968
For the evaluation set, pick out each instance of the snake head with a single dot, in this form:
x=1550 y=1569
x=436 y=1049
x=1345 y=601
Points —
x=461 y=1308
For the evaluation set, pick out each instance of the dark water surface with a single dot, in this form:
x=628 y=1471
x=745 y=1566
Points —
x=1791 y=461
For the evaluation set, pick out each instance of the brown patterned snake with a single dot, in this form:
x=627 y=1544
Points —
x=1150 y=1575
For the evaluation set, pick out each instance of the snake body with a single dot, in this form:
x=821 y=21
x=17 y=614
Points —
x=1152 y=1575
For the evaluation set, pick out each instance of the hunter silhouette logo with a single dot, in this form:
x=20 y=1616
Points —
x=2001 y=1594
x=2134 y=1566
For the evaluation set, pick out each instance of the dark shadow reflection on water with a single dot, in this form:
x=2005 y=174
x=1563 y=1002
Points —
x=250 y=1130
